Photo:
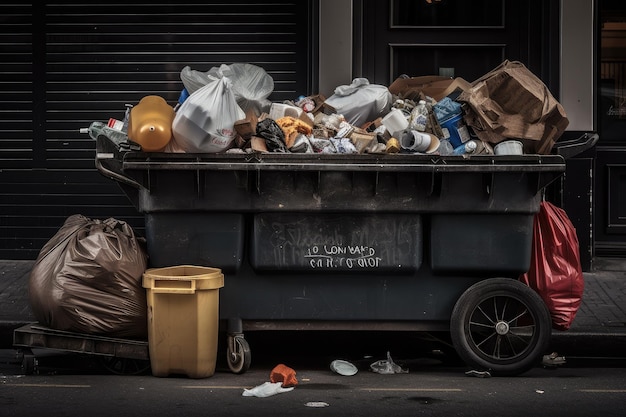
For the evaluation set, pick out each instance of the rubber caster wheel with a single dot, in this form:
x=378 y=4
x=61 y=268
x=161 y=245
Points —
x=502 y=326
x=238 y=354
x=29 y=364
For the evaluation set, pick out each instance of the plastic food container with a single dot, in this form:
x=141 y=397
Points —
x=509 y=147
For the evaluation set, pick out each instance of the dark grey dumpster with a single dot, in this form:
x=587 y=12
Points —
x=398 y=242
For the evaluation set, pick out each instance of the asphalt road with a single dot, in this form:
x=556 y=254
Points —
x=67 y=385
x=435 y=383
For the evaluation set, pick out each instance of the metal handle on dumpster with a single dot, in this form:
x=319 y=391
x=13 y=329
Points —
x=112 y=174
x=570 y=148
x=179 y=286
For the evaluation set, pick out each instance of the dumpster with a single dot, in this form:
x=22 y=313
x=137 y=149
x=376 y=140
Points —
x=368 y=241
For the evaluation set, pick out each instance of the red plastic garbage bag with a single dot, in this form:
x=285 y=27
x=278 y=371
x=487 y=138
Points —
x=555 y=270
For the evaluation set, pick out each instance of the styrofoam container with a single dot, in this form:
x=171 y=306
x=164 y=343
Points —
x=509 y=147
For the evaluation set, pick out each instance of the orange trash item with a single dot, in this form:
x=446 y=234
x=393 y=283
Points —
x=150 y=123
x=286 y=375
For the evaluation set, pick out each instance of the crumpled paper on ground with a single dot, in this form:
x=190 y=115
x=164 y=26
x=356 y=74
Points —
x=267 y=389
x=387 y=367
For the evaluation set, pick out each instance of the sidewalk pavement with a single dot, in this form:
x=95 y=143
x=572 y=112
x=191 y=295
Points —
x=601 y=317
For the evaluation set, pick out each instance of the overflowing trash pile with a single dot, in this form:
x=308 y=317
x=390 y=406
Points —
x=508 y=111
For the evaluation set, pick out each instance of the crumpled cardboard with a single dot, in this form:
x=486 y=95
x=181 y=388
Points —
x=510 y=102
x=435 y=86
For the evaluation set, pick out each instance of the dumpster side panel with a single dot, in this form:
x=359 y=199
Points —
x=353 y=243
x=195 y=238
x=282 y=295
x=485 y=244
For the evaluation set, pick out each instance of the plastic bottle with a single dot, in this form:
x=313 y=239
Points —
x=467 y=148
x=419 y=116
x=96 y=129
x=445 y=147
x=150 y=123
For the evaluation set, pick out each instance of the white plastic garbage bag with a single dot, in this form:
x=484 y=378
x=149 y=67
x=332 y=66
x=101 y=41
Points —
x=361 y=102
x=251 y=84
x=205 y=122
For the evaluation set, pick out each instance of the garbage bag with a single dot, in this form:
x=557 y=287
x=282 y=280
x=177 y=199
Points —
x=251 y=84
x=273 y=134
x=555 y=269
x=205 y=122
x=361 y=102
x=87 y=279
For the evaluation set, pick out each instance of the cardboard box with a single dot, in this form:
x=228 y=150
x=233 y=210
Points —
x=434 y=86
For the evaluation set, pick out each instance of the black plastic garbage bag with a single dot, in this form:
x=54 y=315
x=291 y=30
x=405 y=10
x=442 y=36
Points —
x=274 y=136
x=88 y=279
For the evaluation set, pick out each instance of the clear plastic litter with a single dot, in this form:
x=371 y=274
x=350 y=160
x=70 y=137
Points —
x=316 y=404
x=387 y=367
x=343 y=368
x=478 y=374
x=553 y=360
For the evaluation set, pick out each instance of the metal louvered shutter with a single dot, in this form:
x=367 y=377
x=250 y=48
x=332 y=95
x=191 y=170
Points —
x=67 y=64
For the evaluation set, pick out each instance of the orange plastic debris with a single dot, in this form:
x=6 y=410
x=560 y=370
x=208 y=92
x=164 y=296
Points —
x=286 y=375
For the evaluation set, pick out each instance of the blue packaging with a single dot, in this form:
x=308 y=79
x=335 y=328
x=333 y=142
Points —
x=455 y=129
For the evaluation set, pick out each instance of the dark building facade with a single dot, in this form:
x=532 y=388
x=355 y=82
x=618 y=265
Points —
x=69 y=63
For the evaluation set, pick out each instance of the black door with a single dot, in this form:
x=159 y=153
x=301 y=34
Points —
x=610 y=184
x=457 y=38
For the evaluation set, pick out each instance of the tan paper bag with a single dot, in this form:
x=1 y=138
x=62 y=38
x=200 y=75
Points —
x=510 y=102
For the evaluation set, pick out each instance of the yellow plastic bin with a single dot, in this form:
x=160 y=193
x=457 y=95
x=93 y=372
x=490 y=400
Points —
x=183 y=319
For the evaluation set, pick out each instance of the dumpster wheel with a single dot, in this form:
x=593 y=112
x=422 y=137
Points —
x=500 y=325
x=238 y=354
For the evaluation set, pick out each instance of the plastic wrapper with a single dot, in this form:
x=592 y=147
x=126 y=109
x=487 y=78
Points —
x=387 y=367
x=87 y=279
x=555 y=270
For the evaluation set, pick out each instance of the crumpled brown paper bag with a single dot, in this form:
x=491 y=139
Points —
x=88 y=279
x=510 y=102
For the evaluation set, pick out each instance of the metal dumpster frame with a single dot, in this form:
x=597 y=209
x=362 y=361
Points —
x=235 y=200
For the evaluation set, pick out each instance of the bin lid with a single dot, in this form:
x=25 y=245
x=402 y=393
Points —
x=204 y=278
